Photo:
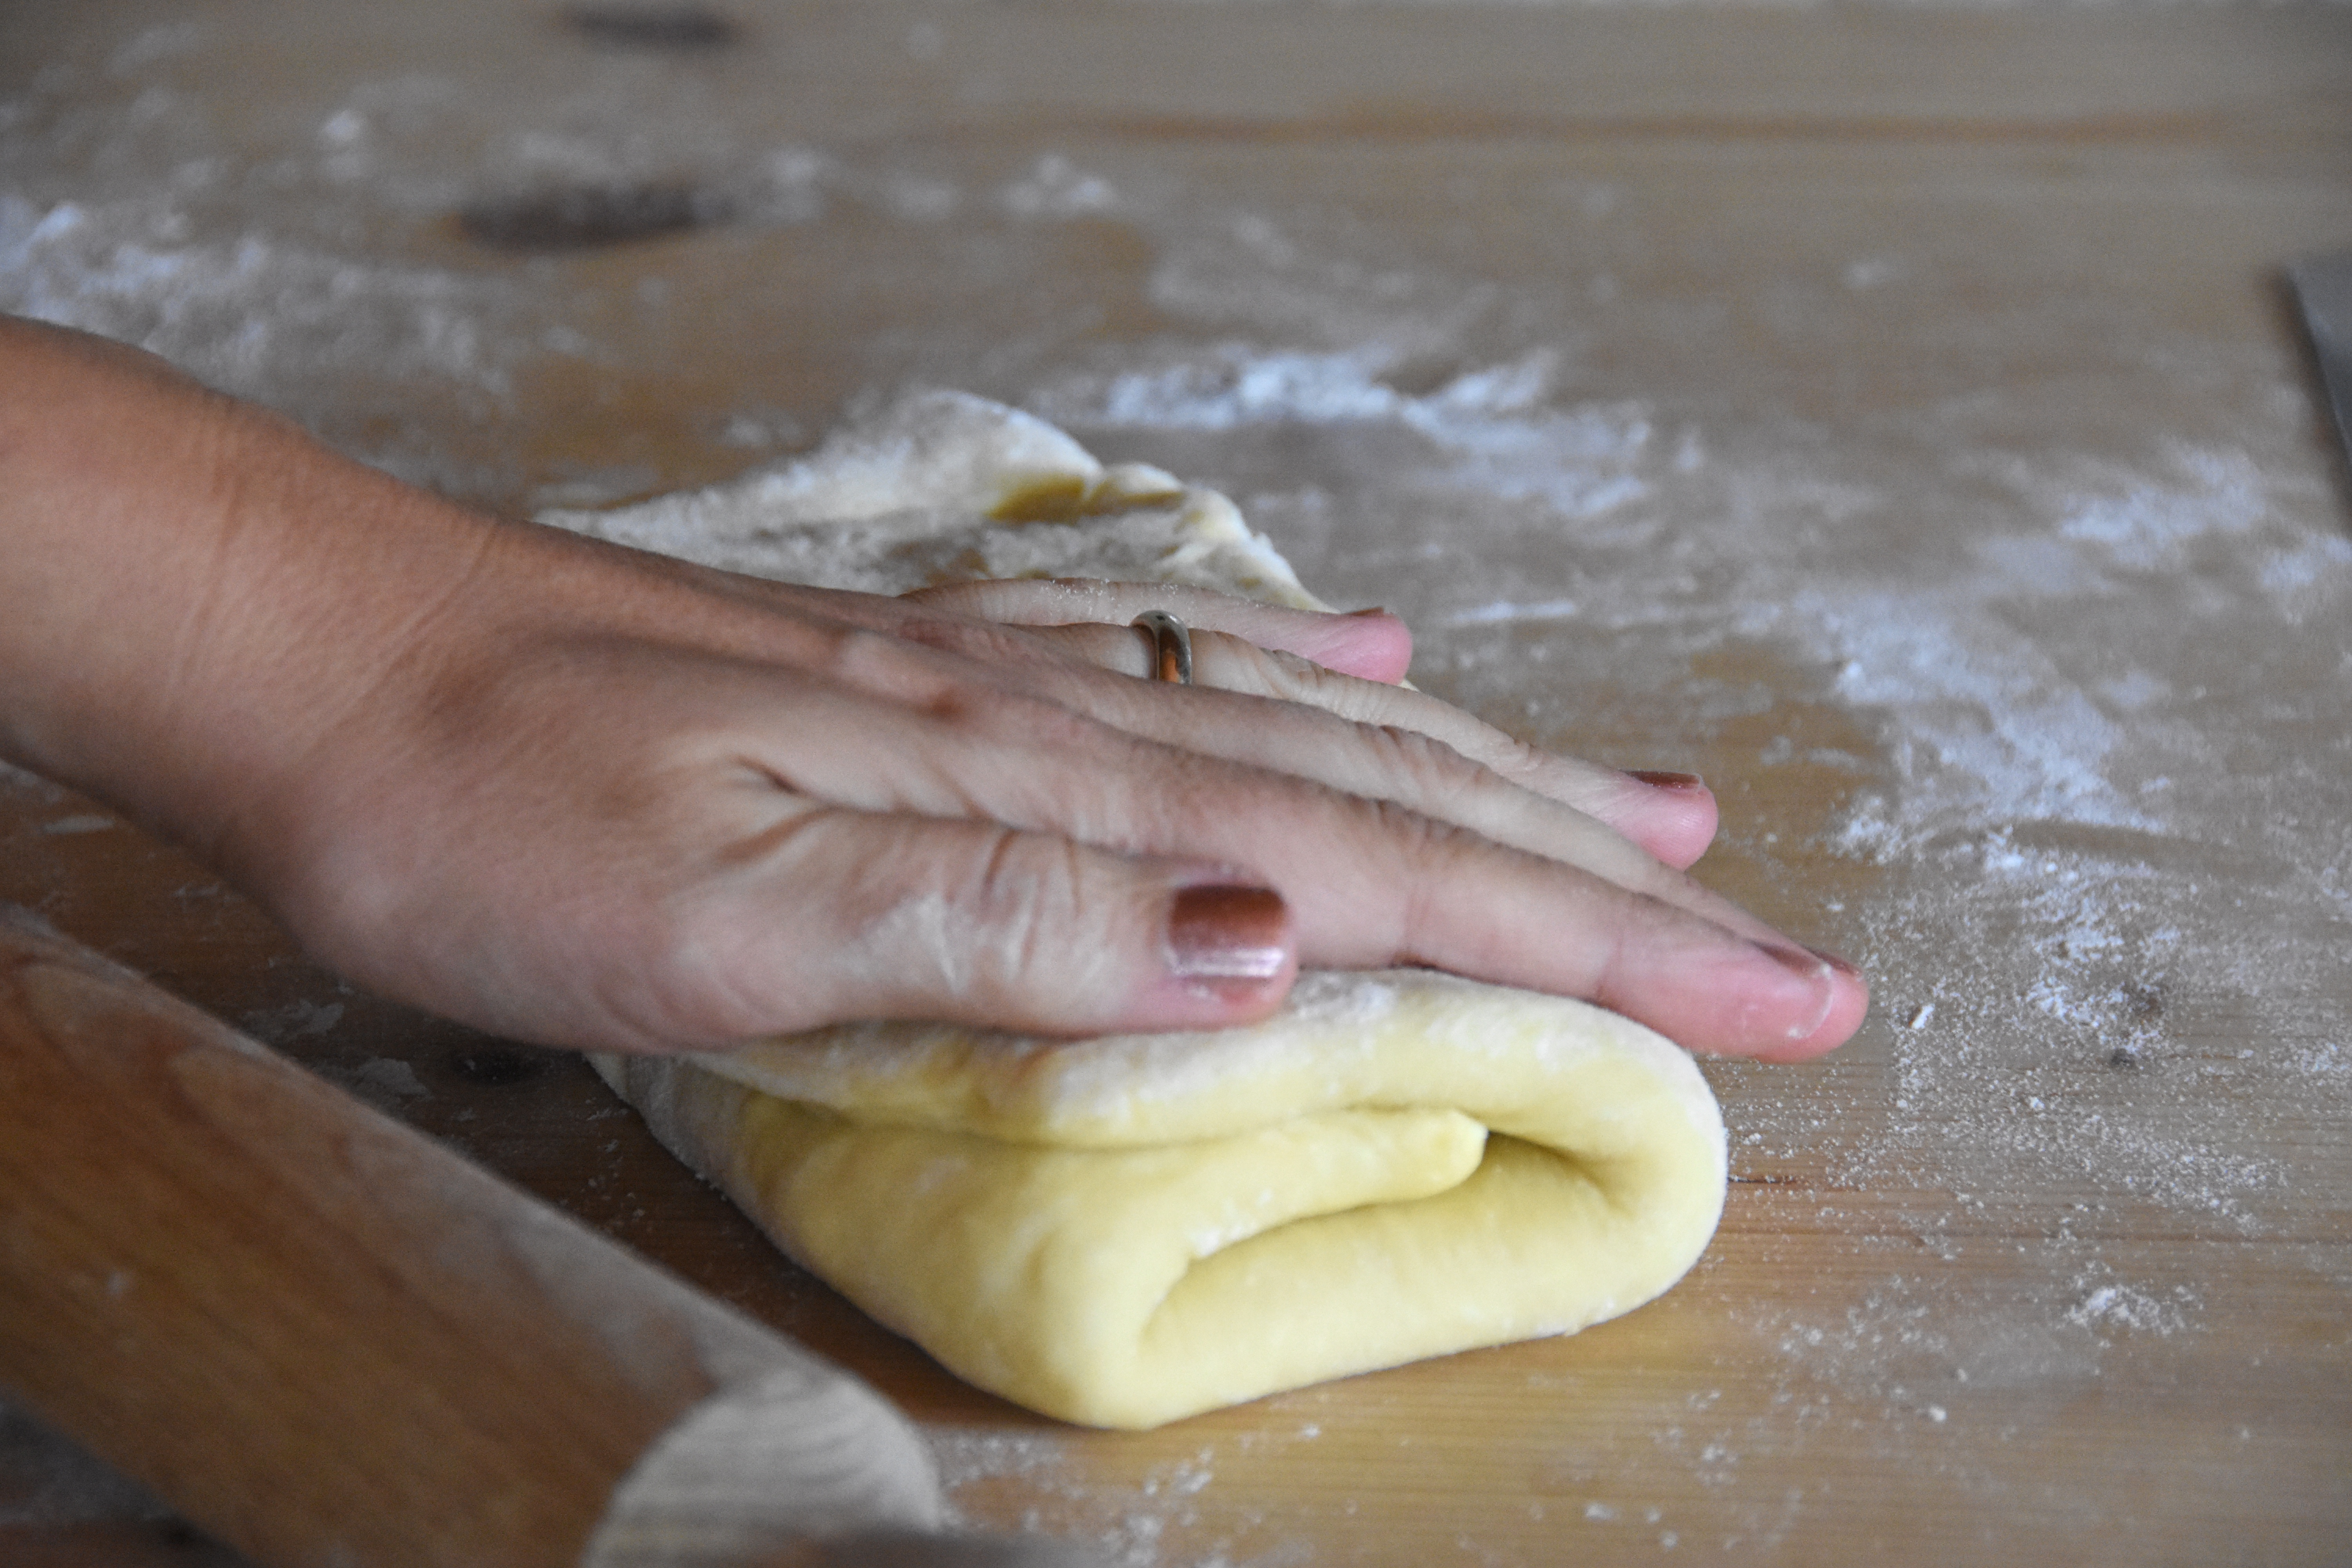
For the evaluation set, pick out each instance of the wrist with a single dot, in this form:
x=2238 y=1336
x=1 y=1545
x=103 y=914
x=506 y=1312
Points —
x=197 y=589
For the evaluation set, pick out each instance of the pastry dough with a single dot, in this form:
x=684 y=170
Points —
x=1128 y=1230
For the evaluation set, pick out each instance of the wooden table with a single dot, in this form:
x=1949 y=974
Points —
x=1891 y=413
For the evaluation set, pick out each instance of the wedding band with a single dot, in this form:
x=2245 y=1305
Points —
x=1171 y=647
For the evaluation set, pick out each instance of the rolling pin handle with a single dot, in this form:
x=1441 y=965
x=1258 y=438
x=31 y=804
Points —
x=340 y=1342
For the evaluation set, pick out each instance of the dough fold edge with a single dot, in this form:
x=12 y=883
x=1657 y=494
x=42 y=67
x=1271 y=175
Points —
x=1126 y=1231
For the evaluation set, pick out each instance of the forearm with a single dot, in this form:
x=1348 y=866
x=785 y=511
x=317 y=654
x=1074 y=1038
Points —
x=180 y=575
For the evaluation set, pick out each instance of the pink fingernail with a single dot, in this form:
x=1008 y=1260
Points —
x=1814 y=967
x=1834 y=961
x=1683 y=783
x=1795 y=960
x=1222 y=932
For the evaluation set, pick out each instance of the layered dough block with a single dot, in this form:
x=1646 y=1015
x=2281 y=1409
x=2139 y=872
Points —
x=1128 y=1230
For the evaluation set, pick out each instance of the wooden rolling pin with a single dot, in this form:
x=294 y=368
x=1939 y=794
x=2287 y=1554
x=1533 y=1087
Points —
x=327 y=1340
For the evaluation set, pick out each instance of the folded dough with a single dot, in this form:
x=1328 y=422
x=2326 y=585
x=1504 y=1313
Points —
x=1128 y=1230
x=1124 y=1231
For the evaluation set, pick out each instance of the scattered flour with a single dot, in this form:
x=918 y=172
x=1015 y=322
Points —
x=2071 y=731
x=2062 y=713
x=1126 y=1528
x=293 y=1021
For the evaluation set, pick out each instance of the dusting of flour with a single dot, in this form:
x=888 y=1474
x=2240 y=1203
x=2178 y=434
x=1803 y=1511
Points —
x=2057 y=703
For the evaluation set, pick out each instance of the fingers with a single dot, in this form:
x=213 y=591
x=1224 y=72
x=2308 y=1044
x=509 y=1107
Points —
x=1671 y=816
x=1379 y=755
x=970 y=921
x=790 y=825
x=1371 y=884
x=1368 y=882
x=1279 y=790
x=866 y=915
x=1034 y=627
x=857 y=914
x=1370 y=645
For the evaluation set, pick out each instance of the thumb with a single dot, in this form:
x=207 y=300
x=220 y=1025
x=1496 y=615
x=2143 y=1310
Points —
x=881 y=915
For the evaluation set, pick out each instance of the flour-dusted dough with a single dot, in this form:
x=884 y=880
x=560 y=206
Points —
x=947 y=487
x=1128 y=1230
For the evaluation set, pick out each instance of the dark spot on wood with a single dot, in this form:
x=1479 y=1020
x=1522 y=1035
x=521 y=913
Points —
x=681 y=28
x=581 y=217
x=498 y=1065
x=2122 y=1059
x=187 y=1544
x=1423 y=374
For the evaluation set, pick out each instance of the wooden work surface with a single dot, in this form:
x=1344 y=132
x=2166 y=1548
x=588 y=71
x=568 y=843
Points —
x=1894 y=415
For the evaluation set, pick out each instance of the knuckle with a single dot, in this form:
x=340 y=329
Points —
x=1432 y=774
x=1511 y=757
x=1422 y=850
x=1244 y=666
x=982 y=931
x=969 y=638
x=1025 y=898
x=1415 y=838
x=898 y=666
x=862 y=658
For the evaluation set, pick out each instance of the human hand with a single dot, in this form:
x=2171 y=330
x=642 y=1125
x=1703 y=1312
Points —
x=582 y=795
x=620 y=802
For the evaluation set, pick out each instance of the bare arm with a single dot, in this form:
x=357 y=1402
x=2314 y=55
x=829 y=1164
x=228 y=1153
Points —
x=582 y=795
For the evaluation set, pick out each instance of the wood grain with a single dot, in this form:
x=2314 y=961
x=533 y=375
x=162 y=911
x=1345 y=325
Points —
x=2058 y=1271
x=331 y=1340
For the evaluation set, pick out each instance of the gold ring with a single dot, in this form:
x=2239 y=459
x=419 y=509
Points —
x=1171 y=647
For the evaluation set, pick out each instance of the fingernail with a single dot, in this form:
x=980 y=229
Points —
x=1834 y=961
x=1222 y=932
x=1812 y=968
x=1797 y=961
x=1681 y=782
